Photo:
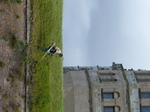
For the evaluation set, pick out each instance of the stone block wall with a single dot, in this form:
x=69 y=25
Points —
x=98 y=89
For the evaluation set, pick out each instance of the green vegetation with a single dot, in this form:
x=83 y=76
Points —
x=2 y=64
x=1 y=10
x=46 y=93
x=17 y=73
x=23 y=96
x=16 y=108
x=6 y=96
x=20 y=49
x=6 y=38
x=17 y=16
x=19 y=1
x=14 y=42
x=13 y=1
x=5 y=108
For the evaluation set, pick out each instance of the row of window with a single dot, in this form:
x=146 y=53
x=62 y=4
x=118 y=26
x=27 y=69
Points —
x=107 y=77
x=142 y=77
x=112 y=109
x=143 y=95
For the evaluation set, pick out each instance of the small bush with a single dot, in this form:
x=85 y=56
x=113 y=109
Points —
x=1 y=10
x=19 y=1
x=5 y=107
x=6 y=38
x=2 y=64
x=11 y=76
x=6 y=95
x=13 y=1
x=17 y=16
x=16 y=108
x=23 y=96
x=14 y=41
x=8 y=1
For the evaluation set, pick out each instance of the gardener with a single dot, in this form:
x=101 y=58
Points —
x=52 y=50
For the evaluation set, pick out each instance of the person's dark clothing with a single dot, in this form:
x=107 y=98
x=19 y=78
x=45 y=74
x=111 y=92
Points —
x=51 y=52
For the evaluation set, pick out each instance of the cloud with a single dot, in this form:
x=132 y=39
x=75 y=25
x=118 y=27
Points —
x=102 y=31
x=120 y=32
x=76 y=23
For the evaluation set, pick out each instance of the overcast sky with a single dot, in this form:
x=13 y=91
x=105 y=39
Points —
x=99 y=32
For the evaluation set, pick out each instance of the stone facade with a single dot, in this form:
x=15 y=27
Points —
x=106 y=89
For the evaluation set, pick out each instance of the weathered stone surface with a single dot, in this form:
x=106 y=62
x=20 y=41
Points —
x=88 y=84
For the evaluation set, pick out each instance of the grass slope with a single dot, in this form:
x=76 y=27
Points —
x=47 y=92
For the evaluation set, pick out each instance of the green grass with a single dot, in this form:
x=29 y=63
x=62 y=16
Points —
x=47 y=87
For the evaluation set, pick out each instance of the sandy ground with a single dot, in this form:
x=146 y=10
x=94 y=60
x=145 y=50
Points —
x=12 y=88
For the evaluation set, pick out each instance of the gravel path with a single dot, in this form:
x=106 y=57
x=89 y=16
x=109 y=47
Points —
x=12 y=71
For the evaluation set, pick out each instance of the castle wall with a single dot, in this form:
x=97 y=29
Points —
x=101 y=89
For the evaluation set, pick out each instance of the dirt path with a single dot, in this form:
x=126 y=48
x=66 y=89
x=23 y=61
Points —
x=12 y=47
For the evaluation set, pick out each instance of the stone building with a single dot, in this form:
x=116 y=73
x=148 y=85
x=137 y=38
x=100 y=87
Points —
x=106 y=89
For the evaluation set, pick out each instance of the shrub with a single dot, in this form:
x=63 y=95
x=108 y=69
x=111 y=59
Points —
x=17 y=16
x=19 y=1
x=13 y=1
x=2 y=64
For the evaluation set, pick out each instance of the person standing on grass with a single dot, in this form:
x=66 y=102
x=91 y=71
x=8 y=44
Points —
x=53 y=49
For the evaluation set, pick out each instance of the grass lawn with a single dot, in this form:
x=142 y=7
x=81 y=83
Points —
x=47 y=89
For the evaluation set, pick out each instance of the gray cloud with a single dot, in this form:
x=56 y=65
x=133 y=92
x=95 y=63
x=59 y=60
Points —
x=75 y=27
x=107 y=31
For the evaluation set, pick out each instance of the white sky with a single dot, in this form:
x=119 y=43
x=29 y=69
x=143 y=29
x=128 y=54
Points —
x=99 y=32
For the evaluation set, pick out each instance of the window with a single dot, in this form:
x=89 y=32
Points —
x=142 y=77
x=145 y=95
x=145 y=108
x=107 y=74
x=143 y=80
x=109 y=109
x=108 y=95
x=108 y=80
x=107 y=77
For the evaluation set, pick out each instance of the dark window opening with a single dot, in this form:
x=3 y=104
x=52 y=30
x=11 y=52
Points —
x=142 y=77
x=108 y=95
x=143 y=80
x=107 y=80
x=142 y=74
x=107 y=77
x=145 y=108
x=145 y=95
x=106 y=74
x=109 y=109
